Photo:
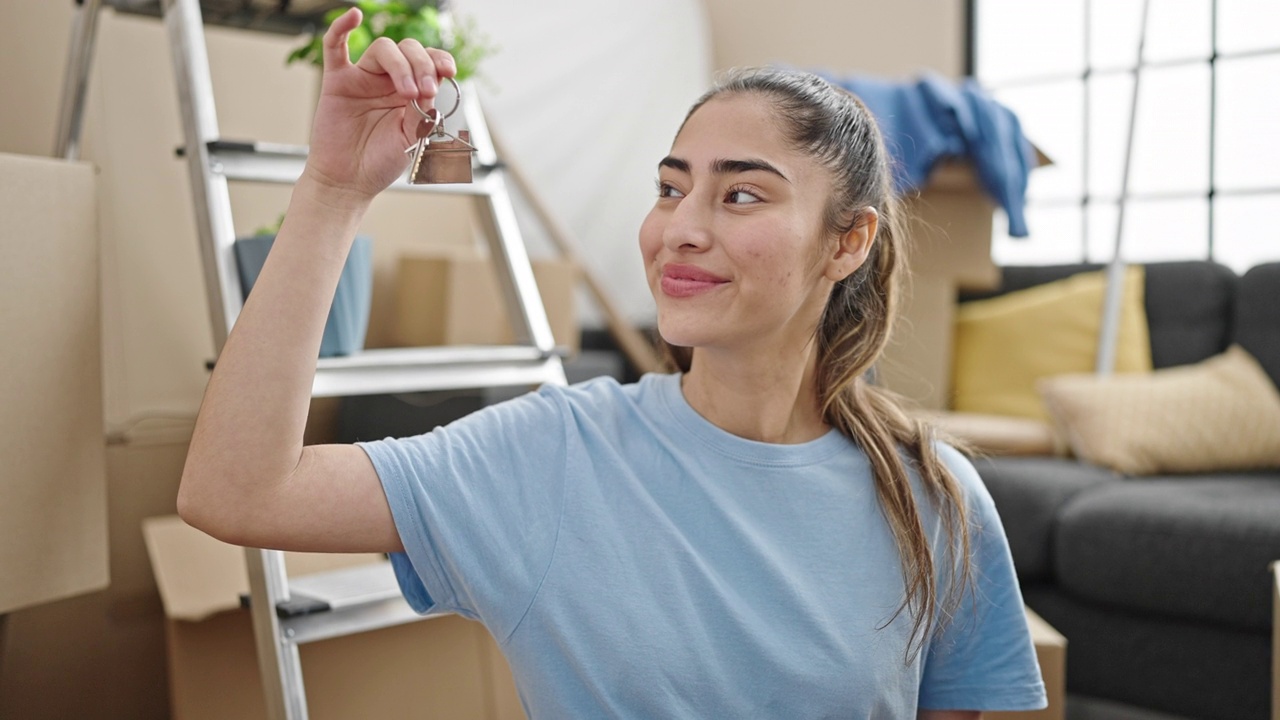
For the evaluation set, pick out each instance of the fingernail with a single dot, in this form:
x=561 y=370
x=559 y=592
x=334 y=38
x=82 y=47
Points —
x=428 y=85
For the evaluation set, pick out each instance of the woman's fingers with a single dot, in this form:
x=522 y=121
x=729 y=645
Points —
x=424 y=68
x=445 y=65
x=385 y=57
x=336 y=55
x=414 y=70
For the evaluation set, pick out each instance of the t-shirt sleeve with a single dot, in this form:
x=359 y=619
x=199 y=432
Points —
x=983 y=657
x=477 y=504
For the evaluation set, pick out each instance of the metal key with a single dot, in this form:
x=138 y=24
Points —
x=430 y=120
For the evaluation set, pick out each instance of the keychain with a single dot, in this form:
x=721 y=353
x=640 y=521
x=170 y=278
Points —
x=439 y=156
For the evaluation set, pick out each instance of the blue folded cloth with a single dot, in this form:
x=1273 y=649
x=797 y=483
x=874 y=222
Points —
x=934 y=118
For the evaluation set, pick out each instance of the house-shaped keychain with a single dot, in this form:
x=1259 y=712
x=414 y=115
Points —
x=444 y=160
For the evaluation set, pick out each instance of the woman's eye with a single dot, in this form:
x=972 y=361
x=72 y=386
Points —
x=666 y=190
x=741 y=197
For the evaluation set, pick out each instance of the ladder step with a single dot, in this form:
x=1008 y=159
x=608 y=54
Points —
x=278 y=163
x=358 y=599
x=238 y=15
x=453 y=367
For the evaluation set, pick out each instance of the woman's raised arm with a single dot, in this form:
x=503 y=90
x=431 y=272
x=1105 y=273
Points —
x=248 y=479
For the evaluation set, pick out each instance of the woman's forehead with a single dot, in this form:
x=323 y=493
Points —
x=731 y=126
x=741 y=126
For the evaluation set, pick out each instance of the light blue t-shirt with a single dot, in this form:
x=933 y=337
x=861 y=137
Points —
x=634 y=560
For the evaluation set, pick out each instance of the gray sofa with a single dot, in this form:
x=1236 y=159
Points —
x=1160 y=585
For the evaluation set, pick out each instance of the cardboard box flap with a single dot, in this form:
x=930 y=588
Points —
x=1042 y=633
x=197 y=575
x=958 y=175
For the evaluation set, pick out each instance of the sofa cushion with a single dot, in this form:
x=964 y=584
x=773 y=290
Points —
x=1181 y=667
x=1189 y=309
x=1257 y=321
x=1189 y=305
x=1004 y=345
x=996 y=434
x=1216 y=415
x=1029 y=493
x=1194 y=547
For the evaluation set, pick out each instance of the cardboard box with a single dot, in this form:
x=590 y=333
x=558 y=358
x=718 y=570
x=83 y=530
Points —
x=444 y=667
x=53 y=517
x=453 y=298
x=1275 y=643
x=1051 y=653
x=949 y=226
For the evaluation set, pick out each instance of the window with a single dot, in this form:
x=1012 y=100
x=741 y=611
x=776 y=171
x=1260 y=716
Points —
x=1204 y=180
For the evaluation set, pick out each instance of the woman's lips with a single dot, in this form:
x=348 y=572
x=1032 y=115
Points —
x=688 y=280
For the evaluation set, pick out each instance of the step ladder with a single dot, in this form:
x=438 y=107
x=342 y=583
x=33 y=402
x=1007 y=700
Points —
x=288 y=612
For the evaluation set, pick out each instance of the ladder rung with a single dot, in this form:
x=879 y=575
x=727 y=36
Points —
x=394 y=370
x=239 y=15
x=349 y=621
x=345 y=587
x=275 y=163
x=360 y=598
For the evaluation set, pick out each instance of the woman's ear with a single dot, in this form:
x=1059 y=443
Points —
x=854 y=246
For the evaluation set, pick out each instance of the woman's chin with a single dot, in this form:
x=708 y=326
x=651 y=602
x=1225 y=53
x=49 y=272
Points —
x=684 y=328
x=680 y=335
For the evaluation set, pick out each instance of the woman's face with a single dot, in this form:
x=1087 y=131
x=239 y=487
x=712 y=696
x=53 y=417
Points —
x=735 y=248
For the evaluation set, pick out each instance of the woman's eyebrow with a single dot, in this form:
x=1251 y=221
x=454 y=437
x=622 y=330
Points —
x=725 y=167
x=674 y=163
x=733 y=167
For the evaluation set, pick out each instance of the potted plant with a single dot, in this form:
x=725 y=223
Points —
x=400 y=19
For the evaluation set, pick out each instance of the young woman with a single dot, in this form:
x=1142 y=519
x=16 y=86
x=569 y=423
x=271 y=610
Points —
x=763 y=534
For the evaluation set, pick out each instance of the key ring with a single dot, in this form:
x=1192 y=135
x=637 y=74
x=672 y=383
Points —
x=441 y=118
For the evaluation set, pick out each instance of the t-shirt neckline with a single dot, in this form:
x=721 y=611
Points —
x=740 y=448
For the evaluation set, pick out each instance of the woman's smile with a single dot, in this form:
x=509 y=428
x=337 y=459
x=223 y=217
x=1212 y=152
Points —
x=681 y=281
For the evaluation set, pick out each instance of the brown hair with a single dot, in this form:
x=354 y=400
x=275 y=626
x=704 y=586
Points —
x=837 y=130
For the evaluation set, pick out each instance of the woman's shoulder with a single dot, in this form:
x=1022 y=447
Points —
x=966 y=476
x=956 y=461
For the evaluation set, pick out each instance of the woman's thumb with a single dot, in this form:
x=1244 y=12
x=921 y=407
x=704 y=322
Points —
x=336 y=55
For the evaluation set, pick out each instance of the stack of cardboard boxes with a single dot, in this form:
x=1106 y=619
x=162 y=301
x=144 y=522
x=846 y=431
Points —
x=53 y=511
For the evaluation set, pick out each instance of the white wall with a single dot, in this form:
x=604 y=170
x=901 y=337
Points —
x=893 y=39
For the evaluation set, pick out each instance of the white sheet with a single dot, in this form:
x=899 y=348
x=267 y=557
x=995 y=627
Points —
x=587 y=95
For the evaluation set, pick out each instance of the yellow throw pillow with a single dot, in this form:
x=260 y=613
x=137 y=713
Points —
x=1220 y=414
x=1005 y=344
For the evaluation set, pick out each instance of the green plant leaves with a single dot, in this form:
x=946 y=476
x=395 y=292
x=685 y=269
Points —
x=398 y=20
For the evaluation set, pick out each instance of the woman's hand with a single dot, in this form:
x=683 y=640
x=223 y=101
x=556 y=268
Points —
x=364 y=120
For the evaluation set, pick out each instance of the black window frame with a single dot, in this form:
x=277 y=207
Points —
x=1213 y=191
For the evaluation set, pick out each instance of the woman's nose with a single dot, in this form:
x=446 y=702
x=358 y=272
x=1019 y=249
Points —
x=689 y=227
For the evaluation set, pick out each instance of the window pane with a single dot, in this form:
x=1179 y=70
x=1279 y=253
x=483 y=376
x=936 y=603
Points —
x=1055 y=237
x=1018 y=39
x=1154 y=230
x=1248 y=117
x=1052 y=117
x=1176 y=30
x=1248 y=25
x=1171 y=140
x=1245 y=231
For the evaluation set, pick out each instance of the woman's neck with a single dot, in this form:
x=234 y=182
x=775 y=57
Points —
x=769 y=397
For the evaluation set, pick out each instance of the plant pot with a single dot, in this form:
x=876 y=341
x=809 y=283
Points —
x=349 y=315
